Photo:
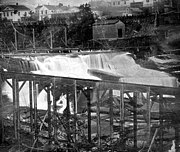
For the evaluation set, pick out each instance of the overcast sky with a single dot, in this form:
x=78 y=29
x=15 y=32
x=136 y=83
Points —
x=34 y=3
x=65 y=2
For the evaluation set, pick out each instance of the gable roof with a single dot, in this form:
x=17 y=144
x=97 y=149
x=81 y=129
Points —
x=14 y=7
x=107 y=22
x=49 y=7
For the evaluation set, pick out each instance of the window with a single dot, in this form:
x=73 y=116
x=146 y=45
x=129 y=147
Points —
x=118 y=2
x=25 y=14
x=120 y=33
x=147 y=1
x=114 y=3
x=41 y=12
x=7 y=13
x=11 y=13
x=125 y=2
x=46 y=11
x=19 y=13
x=4 y=14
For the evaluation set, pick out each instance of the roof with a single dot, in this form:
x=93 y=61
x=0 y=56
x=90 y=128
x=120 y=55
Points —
x=107 y=22
x=52 y=7
x=14 y=7
x=137 y=10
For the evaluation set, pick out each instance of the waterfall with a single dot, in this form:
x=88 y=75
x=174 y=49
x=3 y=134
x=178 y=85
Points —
x=77 y=66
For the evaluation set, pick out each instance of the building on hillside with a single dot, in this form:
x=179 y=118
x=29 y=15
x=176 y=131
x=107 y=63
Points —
x=65 y=13
x=50 y=11
x=121 y=3
x=14 y=12
x=108 y=29
x=136 y=5
x=124 y=11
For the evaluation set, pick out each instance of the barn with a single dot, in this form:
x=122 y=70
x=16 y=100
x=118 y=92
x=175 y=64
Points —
x=108 y=29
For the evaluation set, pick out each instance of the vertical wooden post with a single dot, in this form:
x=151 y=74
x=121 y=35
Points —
x=75 y=110
x=135 y=119
x=68 y=115
x=15 y=104
x=89 y=113
x=148 y=115
x=122 y=115
x=35 y=93
x=122 y=107
x=54 y=111
x=111 y=113
x=98 y=118
x=18 y=110
x=31 y=104
x=161 y=113
x=49 y=112
x=1 y=117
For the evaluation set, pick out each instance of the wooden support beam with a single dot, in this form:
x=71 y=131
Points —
x=111 y=113
x=54 y=110
x=48 y=90
x=35 y=94
x=122 y=107
x=161 y=113
x=1 y=117
x=22 y=85
x=135 y=119
x=122 y=115
x=16 y=115
x=31 y=104
x=67 y=114
x=148 y=115
x=9 y=83
x=89 y=113
x=75 y=111
x=98 y=118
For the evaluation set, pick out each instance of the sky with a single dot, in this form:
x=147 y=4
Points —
x=34 y=3
x=65 y=2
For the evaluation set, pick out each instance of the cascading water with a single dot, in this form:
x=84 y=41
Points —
x=77 y=66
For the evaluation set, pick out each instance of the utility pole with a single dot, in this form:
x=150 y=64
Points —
x=15 y=36
x=34 y=43
x=51 y=40
x=65 y=35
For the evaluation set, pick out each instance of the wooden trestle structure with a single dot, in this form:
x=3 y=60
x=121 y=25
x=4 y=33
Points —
x=119 y=115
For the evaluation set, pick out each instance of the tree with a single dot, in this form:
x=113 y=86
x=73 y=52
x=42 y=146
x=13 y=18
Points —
x=80 y=28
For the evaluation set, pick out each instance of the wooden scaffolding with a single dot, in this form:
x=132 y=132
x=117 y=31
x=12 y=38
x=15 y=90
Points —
x=121 y=113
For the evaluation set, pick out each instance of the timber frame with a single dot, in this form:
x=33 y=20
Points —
x=88 y=87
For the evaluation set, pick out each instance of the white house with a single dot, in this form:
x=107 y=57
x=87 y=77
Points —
x=52 y=10
x=14 y=12
x=121 y=3
x=46 y=11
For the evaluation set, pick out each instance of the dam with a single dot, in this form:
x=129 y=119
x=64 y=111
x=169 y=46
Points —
x=91 y=101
